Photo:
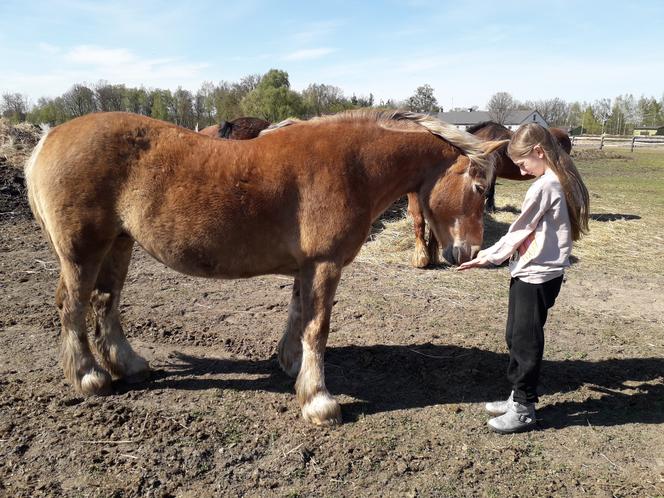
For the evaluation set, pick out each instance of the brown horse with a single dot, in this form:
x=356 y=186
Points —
x=426 y=253
x=237 y=129
x=298 y=201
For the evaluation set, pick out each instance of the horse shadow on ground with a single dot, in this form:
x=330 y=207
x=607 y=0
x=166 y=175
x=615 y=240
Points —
x=493 y=230
x=384 y=378
x=613 y=217
x=602 y=217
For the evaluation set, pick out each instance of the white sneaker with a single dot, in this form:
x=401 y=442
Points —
x=498 y=407
x=518 y=418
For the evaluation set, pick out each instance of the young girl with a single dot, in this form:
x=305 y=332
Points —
x=554 y=213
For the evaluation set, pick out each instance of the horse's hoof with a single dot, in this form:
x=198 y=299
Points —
x=96 y=383
x=322 y=410
x=420 y=259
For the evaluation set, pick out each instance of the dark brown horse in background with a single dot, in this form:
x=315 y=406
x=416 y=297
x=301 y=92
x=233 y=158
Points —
x=238 y=129
x=298 y=201
x=426 y=253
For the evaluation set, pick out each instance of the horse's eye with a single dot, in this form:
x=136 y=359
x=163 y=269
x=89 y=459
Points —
x=480 y=189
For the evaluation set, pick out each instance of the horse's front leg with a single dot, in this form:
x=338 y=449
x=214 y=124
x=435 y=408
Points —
x=433 y=248
x=318 y=283
x=420 y=257
x=289 y=350
x=490 y=204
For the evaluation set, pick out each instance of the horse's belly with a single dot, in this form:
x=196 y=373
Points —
x=236 y=261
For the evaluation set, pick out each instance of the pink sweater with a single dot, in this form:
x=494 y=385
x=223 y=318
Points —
x=539 y=240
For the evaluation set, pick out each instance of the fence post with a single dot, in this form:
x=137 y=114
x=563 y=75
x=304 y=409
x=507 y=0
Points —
x=633 y=140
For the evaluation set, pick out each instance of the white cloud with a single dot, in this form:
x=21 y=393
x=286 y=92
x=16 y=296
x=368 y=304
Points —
x=308 y=54
x=90 y=63
x=90 y=54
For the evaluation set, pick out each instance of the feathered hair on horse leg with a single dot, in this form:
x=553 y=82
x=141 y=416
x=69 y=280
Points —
x=110 y=342
x=318 y=285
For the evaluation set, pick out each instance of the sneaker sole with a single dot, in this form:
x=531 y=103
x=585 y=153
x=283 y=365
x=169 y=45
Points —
x=495 y=413
x=525 y=428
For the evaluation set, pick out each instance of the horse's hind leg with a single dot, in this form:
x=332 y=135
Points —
x=109 y=340
x=289 y=350
x=72 y=297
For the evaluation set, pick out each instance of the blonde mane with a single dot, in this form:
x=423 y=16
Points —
x=469 y=145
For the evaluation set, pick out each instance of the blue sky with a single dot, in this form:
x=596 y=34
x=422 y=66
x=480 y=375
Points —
x=466 y=51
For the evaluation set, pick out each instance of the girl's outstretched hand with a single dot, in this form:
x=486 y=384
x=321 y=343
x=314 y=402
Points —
x=478 y=262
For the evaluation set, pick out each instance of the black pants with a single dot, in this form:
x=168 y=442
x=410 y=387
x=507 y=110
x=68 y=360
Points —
x=528 y=307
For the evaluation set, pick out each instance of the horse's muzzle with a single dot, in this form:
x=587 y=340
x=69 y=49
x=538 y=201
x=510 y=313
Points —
x=458 y=254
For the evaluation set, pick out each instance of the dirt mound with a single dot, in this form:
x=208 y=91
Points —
x=16 y=144
x=13 y=199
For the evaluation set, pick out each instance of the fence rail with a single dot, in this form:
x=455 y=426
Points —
x=601 y=141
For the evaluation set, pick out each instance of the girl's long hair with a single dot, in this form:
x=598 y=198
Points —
x=576 y=194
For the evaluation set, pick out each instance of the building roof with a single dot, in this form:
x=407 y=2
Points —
x=475 y=117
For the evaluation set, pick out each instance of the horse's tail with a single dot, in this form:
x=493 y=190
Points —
x=29 y=171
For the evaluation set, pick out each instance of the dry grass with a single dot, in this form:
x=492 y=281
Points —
x=16 y=142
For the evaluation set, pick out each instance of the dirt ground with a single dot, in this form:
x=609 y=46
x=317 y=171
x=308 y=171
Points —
x=413 y=356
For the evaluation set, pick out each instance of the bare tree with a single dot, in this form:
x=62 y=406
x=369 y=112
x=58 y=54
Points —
x=79 y=100
x=323 y=99
x=500 y=106
x=554 y=111
x=205 y=111
x=14 y=106
x=110 y=97
x=602 y=110
x=182 y=109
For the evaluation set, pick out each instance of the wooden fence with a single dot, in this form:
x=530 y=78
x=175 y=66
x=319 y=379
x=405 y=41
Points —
x=601 y=141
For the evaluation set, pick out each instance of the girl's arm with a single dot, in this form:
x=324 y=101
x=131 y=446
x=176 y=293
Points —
x=536 y=203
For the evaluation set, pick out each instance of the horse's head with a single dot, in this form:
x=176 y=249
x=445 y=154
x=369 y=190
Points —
x=453 y=204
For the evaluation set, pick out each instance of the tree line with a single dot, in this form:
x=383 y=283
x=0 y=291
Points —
x=618 y=116
x=270 y=97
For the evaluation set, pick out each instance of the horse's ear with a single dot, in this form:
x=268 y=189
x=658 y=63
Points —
x=494 y=145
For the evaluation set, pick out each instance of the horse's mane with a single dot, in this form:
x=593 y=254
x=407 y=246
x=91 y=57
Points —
x=484 y=124
x=469 y=145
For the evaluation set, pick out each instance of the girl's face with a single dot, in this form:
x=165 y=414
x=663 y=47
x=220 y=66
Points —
x=533 y=164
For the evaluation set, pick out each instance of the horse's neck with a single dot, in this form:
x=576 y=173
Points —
x=394 y=175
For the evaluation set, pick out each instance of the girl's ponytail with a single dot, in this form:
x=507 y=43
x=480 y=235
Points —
x=576 y=193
